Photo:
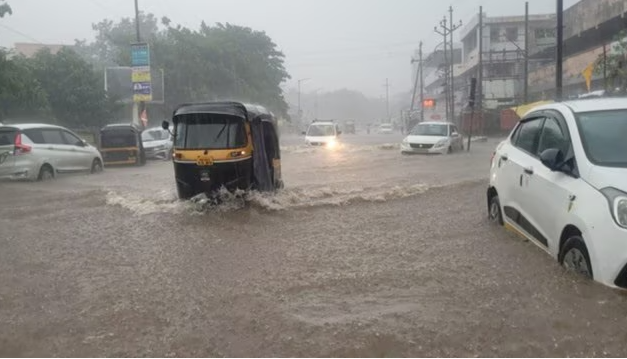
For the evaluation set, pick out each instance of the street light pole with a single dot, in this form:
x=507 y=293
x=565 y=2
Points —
x=299 y=107
x=140 y=107
x=559 y=50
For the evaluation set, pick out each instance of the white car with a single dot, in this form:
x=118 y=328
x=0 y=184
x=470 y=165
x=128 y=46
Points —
x=385 y=129
x=323 y=133
x=433 y=138
x=560 y=180
x=157 y=143
x=40 y=152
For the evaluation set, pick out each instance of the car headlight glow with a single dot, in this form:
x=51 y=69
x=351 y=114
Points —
x=617 y=200
x=331 y=144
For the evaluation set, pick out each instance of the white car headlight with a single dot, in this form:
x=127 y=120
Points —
x=618 y=205
x=405 y=140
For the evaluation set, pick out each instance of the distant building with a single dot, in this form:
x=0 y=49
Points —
x=30 y=49
x=503 y=56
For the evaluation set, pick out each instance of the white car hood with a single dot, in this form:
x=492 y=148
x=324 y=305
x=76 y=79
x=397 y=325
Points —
x=153 y=144
x=323 y=139
x=427 y=140
x=602 y=177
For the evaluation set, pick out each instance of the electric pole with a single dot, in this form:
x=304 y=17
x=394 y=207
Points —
x=479 y=86
x=559 y=50
x=419 y=77
x=451 y=31
x=422 y=84
x=444 y=34
x=526 y=59
x=387 y=99
x=447 y=32
x=300 y=112
x=138 y=108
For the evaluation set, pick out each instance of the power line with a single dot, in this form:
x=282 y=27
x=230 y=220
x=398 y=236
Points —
x=21 y=33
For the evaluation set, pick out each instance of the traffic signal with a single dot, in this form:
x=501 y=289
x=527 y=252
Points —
x=428 y=103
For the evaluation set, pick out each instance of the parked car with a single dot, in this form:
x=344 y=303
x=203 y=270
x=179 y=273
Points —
x=559 y=180
x=157 y=143
x=433 y=138
x=40 y=152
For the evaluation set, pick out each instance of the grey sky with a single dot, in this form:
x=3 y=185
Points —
x=352 y=44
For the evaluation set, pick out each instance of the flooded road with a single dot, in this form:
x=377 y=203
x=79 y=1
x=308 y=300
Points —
x=365 y=253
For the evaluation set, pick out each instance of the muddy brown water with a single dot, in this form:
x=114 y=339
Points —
x=365 y=253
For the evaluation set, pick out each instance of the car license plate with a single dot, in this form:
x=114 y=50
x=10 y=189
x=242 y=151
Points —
x=204 y=176
x=204 y=161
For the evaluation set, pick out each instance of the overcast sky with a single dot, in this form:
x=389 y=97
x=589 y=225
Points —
x=353 y=44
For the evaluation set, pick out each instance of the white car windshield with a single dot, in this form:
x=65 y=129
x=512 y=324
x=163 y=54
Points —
x=148 y=136
x=430 y=130
x=321 y=130
x=603 y=136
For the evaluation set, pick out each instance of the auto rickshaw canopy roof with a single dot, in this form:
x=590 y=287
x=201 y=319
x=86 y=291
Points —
x=232 y=108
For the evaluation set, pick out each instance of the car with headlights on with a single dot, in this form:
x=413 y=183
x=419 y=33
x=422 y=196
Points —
x=323 y=133
x=560 y=180
x=433 y=138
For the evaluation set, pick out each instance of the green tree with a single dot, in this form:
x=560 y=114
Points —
x=5 y=9
x=21 y=93
x=215 y=62
x=614 y=63
x=74 y=92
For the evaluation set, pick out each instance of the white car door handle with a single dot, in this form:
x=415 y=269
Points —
x=528 y=170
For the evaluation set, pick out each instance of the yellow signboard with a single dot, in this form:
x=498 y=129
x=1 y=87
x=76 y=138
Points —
x=587 y=74
x=142 y=97
x=140 y=76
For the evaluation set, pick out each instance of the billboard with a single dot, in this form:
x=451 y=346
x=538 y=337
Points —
x=140 y=72
x=120 y=84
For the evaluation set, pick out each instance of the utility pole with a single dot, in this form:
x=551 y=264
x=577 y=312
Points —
x=479 y=86
x=138 y=108
x=605 y=67
x=559 y=50
x=444 y=34
x=526 y=59
x=300 y=115
x=387 y=99
x=447 y=32
x=422 y=85
x=451 y=30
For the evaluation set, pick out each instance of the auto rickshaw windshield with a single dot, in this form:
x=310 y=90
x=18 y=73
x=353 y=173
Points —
x=209 y=131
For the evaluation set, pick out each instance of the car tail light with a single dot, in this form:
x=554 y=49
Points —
x=21 y=148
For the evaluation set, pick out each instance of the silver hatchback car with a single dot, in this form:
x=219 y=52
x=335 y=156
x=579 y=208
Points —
x=40 y=152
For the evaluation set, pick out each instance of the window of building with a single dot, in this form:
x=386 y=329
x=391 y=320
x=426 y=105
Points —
x=495 y=34
x=512 y=34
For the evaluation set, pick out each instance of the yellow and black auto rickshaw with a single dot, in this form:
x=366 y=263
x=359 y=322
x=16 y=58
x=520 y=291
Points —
x=225 y=144
x=122 y=145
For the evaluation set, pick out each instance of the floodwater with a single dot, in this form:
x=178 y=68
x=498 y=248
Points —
x=365 y=253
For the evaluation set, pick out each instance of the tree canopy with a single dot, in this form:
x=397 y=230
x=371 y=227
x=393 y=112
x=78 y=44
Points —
x=217 y=62
x=614 y=63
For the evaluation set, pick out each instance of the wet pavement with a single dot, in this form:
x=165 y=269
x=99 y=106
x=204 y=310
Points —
x=365 y=253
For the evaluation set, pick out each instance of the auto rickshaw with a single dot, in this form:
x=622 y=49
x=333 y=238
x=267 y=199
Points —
x=121 y=144
x=224 y=145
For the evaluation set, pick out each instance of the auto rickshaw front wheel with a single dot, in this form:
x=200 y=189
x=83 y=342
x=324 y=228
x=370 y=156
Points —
x=183 y=191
